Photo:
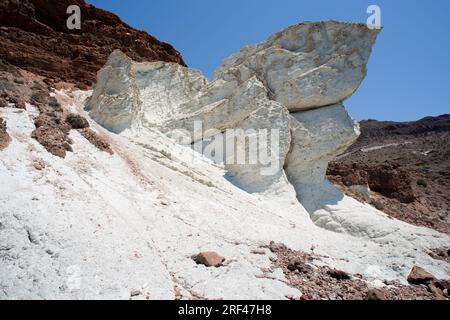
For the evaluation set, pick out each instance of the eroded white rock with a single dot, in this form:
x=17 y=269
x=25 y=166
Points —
x=307 y=65
x=318 y=136
x=303 y=67
x=130 y=95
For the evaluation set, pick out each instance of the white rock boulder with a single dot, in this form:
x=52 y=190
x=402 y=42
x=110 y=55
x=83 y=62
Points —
x=129 y=95
x=306 y=66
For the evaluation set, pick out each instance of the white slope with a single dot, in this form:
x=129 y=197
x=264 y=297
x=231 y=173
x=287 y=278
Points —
x=95 y=226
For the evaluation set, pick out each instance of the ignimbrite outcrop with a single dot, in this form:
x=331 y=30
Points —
x=308 y=65
x=107 y=226
x=269 y=86
x=318 y=136
x=130 y=95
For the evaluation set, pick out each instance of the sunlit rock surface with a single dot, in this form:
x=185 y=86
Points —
x=303 y=67
x=96 y=225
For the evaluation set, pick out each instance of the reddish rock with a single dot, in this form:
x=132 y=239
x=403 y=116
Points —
x=376 y=294
x=209 y=259
x=406 y=166
x=338 y=274
x=300 y=266
x=440 y=254
x=5 y=139
x=35 y=37
x=420 y=276
x=442 y=284
x=438 y=292
x=277 y=247
x=76 y=121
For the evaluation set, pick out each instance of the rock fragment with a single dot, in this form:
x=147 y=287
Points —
x=209 y=259
x=5 y=139
x=76 y=121
x=338 y=274
x=277 y=247
x=376 y=294
x=419 y=276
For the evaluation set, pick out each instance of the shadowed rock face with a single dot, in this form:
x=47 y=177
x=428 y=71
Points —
x=35 y=38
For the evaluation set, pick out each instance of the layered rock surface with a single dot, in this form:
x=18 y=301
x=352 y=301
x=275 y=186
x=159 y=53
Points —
x=267 y=86
x=35 y=37
x=308 y=65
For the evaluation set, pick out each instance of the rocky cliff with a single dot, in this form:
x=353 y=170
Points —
x=402 y=168
x=35 y=37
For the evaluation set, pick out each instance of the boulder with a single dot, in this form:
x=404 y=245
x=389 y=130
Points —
x=129 y=95
x=209 y=259
x=76 y=121
x=280 y=100
x=376 y=294
x=308 y=65
x=338 y=274
x=419 y=276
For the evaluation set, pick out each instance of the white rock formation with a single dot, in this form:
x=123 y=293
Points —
x=303 y=67
x=318 y=136
x=100 y=226
x=308 y=65
x=129 y=95
x=96 y=225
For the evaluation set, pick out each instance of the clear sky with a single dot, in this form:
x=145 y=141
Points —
x=408 y=74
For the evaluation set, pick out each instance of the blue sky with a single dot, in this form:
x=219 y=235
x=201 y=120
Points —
x=408 y=74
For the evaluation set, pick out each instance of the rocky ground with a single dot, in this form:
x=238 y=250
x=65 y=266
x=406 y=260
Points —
x=318 y=282
x=53 y=124
x=35 y=38
x=406 y=167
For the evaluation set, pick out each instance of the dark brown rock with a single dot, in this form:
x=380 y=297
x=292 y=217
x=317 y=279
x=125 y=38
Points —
x=320 y=285
x=5 y=139
x=438 y=292
x=376 y=294
x=277 y=247
x=300 y=266
x=338 y=274
x=76 y=121
x=442 y=284
x=209 y=259
x=35 y=37
x=420 y=276
x=440 y=254
x=96 y=140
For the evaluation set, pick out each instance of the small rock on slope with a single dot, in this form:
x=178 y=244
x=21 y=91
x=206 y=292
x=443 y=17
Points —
x=209 y=259
x=419 y=276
